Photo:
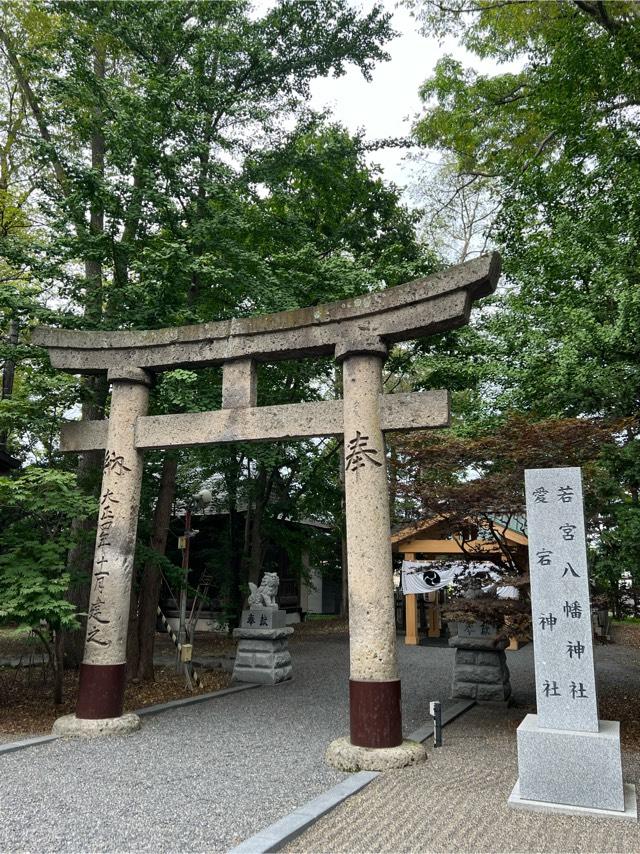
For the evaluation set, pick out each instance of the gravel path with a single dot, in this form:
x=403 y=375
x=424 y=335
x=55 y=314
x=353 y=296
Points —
x=207 y=776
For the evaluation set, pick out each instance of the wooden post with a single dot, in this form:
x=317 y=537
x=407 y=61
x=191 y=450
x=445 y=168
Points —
x=412 y=629
x=435 y=623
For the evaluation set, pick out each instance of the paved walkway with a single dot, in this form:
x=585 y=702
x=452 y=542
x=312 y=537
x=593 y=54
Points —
x=205 y=777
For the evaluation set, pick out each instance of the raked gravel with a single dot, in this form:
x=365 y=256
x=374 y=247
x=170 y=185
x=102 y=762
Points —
x=207 y=776
x=456 y=802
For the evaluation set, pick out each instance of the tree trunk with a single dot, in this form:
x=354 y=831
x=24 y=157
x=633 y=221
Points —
x=53 y=642
x=255 y=548
x=253 y=544
x=133 y=647
x=8 y=374
x=237 y=542
x=151 y=580
x=58 y=666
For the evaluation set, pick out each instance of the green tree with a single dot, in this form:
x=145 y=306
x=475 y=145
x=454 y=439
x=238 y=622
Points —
x=553 y=136
x=172 y=193
x=37 y=510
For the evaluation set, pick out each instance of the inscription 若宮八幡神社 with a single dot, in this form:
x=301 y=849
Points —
x=565 y=679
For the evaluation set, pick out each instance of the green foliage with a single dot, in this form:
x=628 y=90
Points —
x=37 y=510
x=181 y=178
x=167 y=96
x=616 y=554
x=551 y=133
x=555 y=138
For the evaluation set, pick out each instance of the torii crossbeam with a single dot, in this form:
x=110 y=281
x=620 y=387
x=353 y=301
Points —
x=357 y=332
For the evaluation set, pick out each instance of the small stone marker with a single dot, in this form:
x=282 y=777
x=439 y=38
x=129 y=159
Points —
x=569 y=761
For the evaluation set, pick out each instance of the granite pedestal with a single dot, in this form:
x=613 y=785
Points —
x=263 y=618
x=263 y=655
x=564 y=768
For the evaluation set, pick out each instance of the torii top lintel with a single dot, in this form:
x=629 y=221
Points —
x=412 y=310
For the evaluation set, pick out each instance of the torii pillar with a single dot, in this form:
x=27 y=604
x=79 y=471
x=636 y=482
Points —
x=99 y=709
x=374 y=687
x=375 y=741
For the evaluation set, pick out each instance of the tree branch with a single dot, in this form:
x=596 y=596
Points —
x=598 y=11
x=38 y=115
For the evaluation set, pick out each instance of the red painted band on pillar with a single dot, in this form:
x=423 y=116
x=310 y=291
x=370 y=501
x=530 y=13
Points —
x=101 y=691
x=376 y=718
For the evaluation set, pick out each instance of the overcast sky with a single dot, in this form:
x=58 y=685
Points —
x=388 y=105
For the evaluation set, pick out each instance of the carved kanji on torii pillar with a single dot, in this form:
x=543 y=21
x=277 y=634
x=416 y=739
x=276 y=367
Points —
x=358 y=332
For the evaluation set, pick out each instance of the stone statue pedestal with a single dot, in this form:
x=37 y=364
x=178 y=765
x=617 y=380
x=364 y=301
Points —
x=263 y=618
x=480 y=671
x=263 y=655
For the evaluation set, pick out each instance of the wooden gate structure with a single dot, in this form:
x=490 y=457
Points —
x=357 y=332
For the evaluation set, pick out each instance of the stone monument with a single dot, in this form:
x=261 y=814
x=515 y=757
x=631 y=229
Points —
x=568 y=760
x=263 y=654
x=357 y=332
x=480 y=669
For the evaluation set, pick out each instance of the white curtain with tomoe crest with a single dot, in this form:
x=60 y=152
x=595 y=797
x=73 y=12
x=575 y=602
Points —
x=425 y=576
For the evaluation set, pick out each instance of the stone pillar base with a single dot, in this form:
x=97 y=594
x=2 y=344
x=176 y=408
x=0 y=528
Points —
x=262 y=656
x=375 y=713
x=580 y=769
x=101 y=691
x=344 y=756
x=69 y=726
x=480 y=671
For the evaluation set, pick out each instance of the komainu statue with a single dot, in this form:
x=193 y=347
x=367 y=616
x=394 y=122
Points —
x=265 y=595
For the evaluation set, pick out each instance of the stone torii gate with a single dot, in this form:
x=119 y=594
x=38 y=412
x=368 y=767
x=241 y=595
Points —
x=357 y=332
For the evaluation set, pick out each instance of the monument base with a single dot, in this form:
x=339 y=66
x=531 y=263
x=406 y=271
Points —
x=630 y=805
x=262 y=656
x=344 y=756
x=570 y=768
x=69 y=726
